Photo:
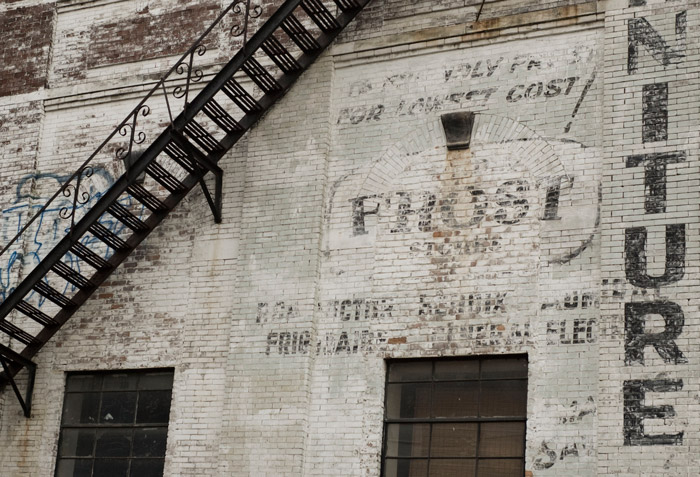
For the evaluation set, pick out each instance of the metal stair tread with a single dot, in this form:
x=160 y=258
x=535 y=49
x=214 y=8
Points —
x=202 y=137
x=240 y=96
x=72 y=276
x=17 y=333
x=89 y=257
x=122 y=214
x=107 y=237
x=185 y=152
x=36 y=315
x=165 y=178
x=318 y=12
x=260 y=76
x=141 y=194
x=299 y=35
x=53 y=295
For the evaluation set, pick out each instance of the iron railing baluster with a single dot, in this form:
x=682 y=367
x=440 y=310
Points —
x=175 y=143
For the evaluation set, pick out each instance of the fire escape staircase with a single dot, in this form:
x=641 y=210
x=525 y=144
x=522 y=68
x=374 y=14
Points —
x=189 y=142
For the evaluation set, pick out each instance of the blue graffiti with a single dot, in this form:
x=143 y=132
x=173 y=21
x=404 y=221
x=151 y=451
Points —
x=50 y=228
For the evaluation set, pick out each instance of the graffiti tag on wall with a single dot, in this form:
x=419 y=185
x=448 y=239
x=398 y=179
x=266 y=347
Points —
x=49 y=227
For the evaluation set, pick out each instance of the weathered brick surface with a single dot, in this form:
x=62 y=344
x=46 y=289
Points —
x=351 y=234
x=490 y=9
x=20 y=128
x=25 y=36
x=90 y=39
x=148 y=35
x=475 y=277
x=387 y=17
x=649 y=315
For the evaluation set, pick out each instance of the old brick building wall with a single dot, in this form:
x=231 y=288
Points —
x=352 y=234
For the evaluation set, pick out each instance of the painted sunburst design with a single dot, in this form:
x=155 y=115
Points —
x=507 y=145
x=523 y=144
x=528 y=149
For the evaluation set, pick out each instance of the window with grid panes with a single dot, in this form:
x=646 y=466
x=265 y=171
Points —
x=115 y=424
x=455 y=417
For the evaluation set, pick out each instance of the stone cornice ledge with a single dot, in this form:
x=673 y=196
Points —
x=492 y=28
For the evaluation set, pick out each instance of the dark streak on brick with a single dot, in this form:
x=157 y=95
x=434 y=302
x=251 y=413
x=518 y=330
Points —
x=546 y=457
x=636 y=337
x=655 y=177
x=640 y=32
x=636 y=260
x=586 y=88
x=551 y=201
x=288 y=342
x=655 y=112
x=25 y=36
x=566 y=332
x=634 y=393
x=359 y=213
x=148 y=36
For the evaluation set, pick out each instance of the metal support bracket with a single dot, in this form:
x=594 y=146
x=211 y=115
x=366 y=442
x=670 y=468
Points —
x=8 y=356
x=215 y=203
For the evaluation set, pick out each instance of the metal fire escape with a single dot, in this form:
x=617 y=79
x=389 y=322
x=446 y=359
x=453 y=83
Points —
x=157 y=177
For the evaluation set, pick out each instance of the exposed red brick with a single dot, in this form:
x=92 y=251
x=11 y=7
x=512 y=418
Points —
x=400 y=340
x=25 y=36
x=19 y=136
x=148 y=36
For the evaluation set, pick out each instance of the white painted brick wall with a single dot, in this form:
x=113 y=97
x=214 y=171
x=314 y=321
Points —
x=278 y=320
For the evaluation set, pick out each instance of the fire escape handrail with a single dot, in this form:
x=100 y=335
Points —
x=180 y=66
x=185 y=144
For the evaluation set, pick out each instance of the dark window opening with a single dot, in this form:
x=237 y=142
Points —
x=115 y=424
x=455 y=417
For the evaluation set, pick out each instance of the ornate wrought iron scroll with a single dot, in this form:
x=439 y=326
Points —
x=251 y=12
x=74 y=186
x=80 y=198
x=130 y=129
x=194 y=75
